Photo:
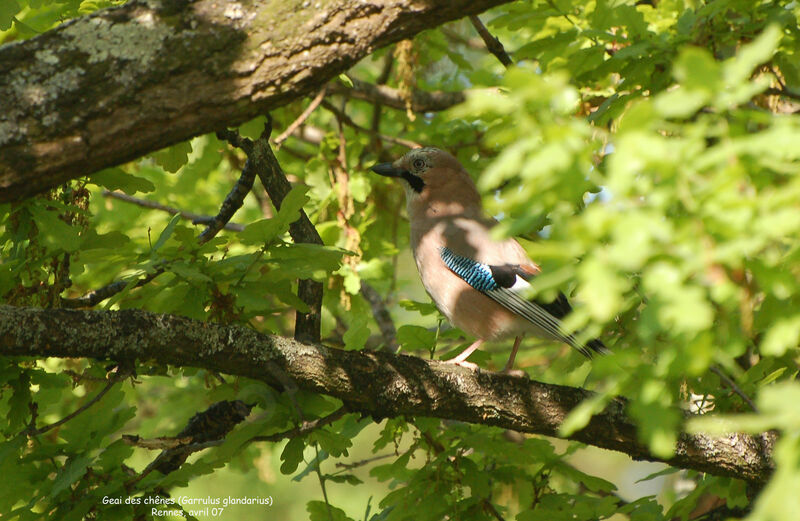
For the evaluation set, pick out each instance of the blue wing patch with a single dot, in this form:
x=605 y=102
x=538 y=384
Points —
x=484 y=278
x=477 y=275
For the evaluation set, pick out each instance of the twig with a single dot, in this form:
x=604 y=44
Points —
x=109 y=290
x=194 y=217
x=487 y=504
x=321 y=478
x=269 y=171
x=304 y=116
x=735 y=388
x=304 y=428
x=361 y=463
x=160 y=443
x=310 y=134
x=233 y=201
x=203 y=430
x=344 y=118
x=493 y=45
x=382 y=317
x=421 y=101
x=307 y=325
x=783 y=92
x=41 y=430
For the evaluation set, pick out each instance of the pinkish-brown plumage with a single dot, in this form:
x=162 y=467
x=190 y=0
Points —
x=445 y=210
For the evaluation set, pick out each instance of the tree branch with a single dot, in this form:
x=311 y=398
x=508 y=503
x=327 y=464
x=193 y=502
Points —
x=233 y=201
x=304 y=428
x=302 y=117
x=381 y=316
x=269 y=171
x=36 y=431
x=191 y=216
x=421 y=101
x=110 y=87
x=375 y=383
x=203 y=430
x=493 y=44
x=344 y=118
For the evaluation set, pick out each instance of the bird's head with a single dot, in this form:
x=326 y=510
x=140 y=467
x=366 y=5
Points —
x=431 y=175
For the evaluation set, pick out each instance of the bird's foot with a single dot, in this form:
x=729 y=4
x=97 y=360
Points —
x=462 y=358
x=462 y=363
x=519 y=373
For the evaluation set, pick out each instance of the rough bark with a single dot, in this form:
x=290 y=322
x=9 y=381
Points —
x=375 y=383
x=110 y=87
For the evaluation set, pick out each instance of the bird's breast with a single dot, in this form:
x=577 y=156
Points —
x=465 y=307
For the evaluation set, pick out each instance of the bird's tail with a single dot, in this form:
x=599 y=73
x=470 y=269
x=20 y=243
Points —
x=598 y=346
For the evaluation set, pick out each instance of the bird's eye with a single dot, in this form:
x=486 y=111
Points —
x=418 y=164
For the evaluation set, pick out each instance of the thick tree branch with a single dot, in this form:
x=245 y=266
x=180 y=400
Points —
x=110 y=87
x=375 y=383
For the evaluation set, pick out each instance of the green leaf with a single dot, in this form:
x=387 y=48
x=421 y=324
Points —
x=253 y=128
x=782 y=335
x=415 y=338
x=579 y=417
x=331 y=442
x=306 y=261
x=19 y=409
x=350 y=479
x=166 y=233
x=292 y=455
x=320 y=511
x=53 y=232
x=752 y=55
x=423 y=308
x=69 y=474
x=697 y=70
x=266 y=230
x=8 y=9
x=681 y=102
x=344 y=78
x=356 y=335
x=173 y=158
x=658 y=425
x=112 y=240
x=112 y=456
x=118 y=179
x=663 y=472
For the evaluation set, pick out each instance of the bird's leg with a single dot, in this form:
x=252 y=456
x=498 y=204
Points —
x=462 y=358
x=510 y=363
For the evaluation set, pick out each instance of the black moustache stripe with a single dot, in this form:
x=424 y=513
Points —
x=416 y=182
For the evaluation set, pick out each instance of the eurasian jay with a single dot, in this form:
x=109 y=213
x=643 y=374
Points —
x=473 y=279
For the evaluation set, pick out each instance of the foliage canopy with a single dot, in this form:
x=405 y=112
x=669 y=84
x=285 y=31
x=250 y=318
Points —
x=648 y=150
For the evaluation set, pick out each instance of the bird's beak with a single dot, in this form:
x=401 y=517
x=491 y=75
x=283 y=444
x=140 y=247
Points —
x=387 y=170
